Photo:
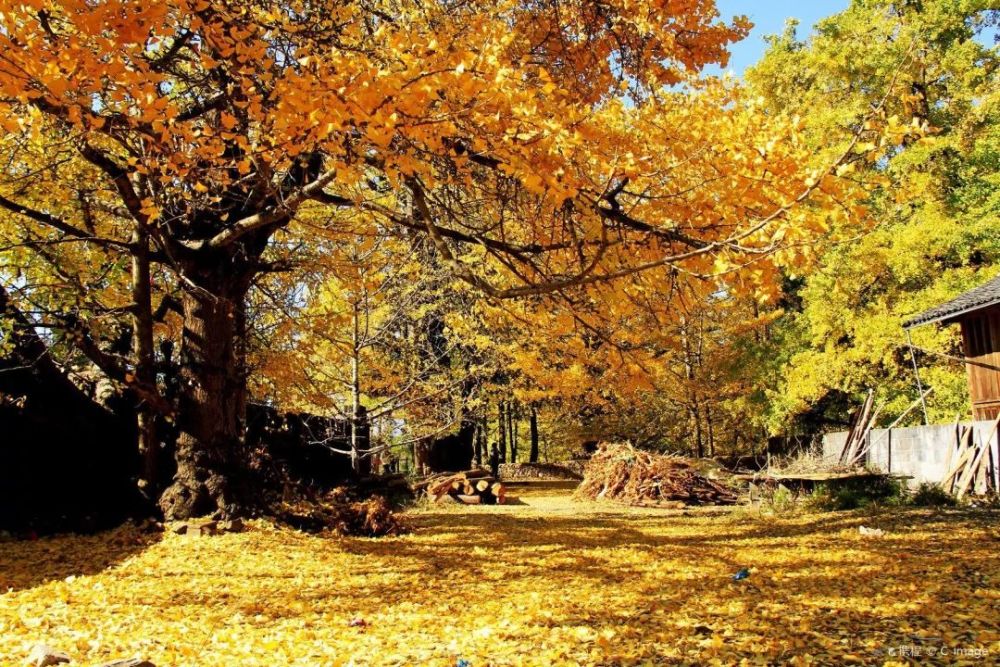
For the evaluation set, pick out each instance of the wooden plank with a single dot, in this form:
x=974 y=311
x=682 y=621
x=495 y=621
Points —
x=981 y=468
x=823 y=476
x=865 y=441
x=995 y=455
x=966 y=453
x=951 y=447
x=860 y=428
x=972 y=472
x=851 y=425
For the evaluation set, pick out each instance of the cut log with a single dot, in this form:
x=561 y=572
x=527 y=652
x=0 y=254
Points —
x=499 y=491
x=471 y=499
x=476 y=483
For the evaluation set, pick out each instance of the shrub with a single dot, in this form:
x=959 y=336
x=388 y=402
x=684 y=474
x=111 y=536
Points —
x=856 y=493
x=783 y=499
x=931 y=495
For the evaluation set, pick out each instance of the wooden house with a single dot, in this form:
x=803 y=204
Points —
x=977 y=312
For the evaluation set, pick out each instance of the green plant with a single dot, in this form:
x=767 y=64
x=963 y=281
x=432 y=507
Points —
x=931 y=495
x=783 y=500
x=855 y=493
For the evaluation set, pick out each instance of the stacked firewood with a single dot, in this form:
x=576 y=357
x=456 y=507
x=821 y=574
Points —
x=529 y=472
x=618 y=471
x=471 y=487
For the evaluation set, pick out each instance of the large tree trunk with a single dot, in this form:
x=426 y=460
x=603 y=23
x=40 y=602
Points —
x=212 y=405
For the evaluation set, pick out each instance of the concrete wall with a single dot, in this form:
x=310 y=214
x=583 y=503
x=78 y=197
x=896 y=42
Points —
x=919 y=451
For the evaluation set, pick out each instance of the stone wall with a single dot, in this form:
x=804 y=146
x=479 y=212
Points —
x=919 y=452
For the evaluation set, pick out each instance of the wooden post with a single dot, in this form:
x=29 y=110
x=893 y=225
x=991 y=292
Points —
x=916 y=374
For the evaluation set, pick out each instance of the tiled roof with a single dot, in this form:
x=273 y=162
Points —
x=975 y=299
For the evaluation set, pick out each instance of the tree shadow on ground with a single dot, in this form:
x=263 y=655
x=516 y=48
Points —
x=29 y=563
x=579 y=541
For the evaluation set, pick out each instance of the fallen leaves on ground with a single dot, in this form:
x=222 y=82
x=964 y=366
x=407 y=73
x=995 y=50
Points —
x=551 y=582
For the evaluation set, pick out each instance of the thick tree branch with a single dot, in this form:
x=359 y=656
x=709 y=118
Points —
x=58 y=224
x=115 y=367
x=273 y=214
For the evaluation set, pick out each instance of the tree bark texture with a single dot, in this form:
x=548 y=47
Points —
x=212 y=403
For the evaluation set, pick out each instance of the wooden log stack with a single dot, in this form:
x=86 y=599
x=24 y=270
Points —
x=471 y=487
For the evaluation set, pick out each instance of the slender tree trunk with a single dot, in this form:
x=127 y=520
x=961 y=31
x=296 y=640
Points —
x=511 y=432
x=502 y=431
x=533 y=453
x=212 y=401
x=478 y=438
x=145 y=363
x=699 y=444
x=711 y=430
x=355 y=393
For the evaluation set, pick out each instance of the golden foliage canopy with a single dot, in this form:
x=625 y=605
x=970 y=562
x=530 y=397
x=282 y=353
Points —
x=560 y=154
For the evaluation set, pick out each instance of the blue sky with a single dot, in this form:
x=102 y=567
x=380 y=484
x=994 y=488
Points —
x=769 y=18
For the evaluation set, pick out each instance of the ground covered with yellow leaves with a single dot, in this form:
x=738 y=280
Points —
x=552 y=581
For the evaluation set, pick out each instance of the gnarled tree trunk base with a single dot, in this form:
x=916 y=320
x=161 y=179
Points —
x=190 y=496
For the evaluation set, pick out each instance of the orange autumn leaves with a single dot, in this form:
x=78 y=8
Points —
x=195 y=98
x=537 y=160
x=288 y=77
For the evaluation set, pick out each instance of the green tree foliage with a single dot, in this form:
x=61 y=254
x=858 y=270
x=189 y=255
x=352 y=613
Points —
x=933 y=202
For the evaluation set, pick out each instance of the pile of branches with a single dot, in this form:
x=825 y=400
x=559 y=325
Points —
x=807 y=463
x=363 y=507
x=618 y=471
x=341 y=511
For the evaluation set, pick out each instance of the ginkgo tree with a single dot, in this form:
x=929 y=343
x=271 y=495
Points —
x=541 y=147
x=370 y=342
